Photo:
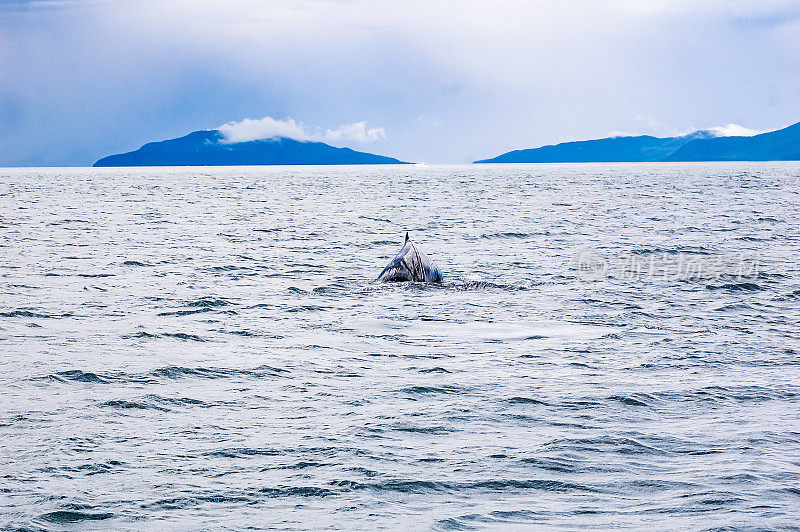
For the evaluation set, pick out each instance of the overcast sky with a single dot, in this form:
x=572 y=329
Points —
x=433 y=81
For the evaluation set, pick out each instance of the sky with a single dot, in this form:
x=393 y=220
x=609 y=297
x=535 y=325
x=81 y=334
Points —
x=436 y=81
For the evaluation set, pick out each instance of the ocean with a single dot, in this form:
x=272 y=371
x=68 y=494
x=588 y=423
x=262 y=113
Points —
x=613 y=345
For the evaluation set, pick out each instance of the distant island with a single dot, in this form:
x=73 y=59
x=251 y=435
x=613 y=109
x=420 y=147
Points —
x=209 y=148
x=780 y=145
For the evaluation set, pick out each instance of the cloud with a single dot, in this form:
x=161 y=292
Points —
x=733 y=130
x=657 y=128
x=265 y=128
x=729 y=130
x=357 y=132
x=268 y=127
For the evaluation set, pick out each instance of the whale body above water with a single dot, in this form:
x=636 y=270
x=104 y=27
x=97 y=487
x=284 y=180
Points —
x=411 y=264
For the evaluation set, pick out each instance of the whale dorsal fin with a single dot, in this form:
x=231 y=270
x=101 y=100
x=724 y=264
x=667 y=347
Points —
x=406 y=236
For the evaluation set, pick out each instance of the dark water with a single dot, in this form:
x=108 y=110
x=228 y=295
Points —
x=205 y=348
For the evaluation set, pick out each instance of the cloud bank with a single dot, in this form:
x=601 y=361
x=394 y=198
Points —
x=266 y=128
x=734 y=130
x=729 y=130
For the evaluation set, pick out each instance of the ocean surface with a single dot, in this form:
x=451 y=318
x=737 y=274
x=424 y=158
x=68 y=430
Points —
x=613 y=345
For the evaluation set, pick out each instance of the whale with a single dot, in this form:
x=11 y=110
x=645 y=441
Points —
x=410 y=264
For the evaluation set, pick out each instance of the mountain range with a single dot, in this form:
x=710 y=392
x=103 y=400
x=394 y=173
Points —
x=708 y=145
x=208 y=148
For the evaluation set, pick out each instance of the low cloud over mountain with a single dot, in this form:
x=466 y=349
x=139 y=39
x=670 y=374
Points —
x=266 y=128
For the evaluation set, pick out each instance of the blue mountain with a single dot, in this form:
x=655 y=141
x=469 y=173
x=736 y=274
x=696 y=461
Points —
x=206 y=148
x=781 y=145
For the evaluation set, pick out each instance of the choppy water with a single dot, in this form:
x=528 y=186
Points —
x=206 y=348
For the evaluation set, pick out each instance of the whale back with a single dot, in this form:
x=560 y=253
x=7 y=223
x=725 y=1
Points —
x=411 y=264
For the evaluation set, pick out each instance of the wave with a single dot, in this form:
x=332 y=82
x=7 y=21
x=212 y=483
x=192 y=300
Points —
x=178 y=335
x=140 y=334
x=417 y=390
x=239 y=333
x=168 y=372
x=66 y=517
x=374 y=219
x=480 y=521
x=208 y=302
x=489 y=285
x=179 y=503
x=79 y=376
x=687 y=250
x=23 y=313
x=261 y=305
x=226 y=268
x=736 y=287
x=184 y=336
x=242 y=452
x=497 y=485
x=178 y=401
x=436 y=430
x=155 y=402
x=604 y=444
x=87 y=469
x=629 y=401
x=302 y=465
x=525 y=401
x=434 y=370
x=511 y=234
x=741 y=393
x=185 y=312
x=177 y=372
x=339 y=487
x=123 y=404
x=559 y=465
x=299 y=491
x=466 y=285
x=308 y=308
x=736 y=307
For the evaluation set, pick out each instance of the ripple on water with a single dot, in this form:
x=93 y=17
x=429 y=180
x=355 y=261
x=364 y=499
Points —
x=80 y=376
x=736 y=287
x=122 y=404
x=24 y=313
x=69 y=517
x=167 y=372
